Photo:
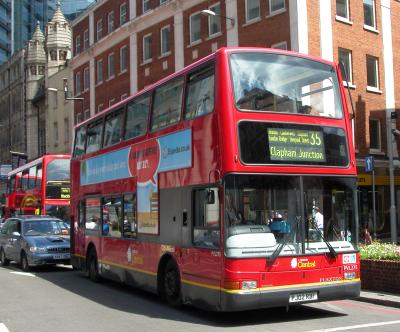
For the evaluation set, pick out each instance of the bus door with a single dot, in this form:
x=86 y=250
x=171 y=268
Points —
x=202 y=256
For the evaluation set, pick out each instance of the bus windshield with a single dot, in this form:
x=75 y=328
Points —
x=58 y=170
x=285 y=84
x=302 y=214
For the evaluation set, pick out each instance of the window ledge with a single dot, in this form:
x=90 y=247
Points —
x=253 y=21
x=164 y=55
x=122 y=72
x=350 y=85
x=371 y=29
x=374 y=90
x=277 y=12
x=146 y=62
x=197 y=42
x=215 y=35
x=344 y=20
x=110 y=78
x=99 y=83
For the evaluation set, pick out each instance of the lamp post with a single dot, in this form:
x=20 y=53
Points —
x=207 y=12
x=391 y=134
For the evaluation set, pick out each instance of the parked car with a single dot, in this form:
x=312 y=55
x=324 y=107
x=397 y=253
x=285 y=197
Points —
x=32 y=241
x=2 y=221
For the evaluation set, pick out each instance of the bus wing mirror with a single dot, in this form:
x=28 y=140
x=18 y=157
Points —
x=210 y=197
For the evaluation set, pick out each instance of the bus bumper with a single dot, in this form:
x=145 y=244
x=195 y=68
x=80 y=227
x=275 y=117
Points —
x=248 y=300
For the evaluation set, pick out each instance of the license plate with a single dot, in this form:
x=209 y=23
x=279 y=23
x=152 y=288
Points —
x=61 y=256
x=303 y=297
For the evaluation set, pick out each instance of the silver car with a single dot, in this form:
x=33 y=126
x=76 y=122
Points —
x=32 y=241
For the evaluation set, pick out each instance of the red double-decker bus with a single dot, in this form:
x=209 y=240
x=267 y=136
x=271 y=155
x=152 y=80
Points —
x=230 y=185
x=40 y=187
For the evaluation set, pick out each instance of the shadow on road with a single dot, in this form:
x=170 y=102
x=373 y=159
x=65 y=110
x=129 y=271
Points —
x=117 y=296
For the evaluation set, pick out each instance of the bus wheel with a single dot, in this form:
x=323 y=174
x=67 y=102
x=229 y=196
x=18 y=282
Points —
x=3 y=260
x=93 y=267
x=24 y=262
x=172 y=284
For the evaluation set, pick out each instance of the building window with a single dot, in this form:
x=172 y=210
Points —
x=66 y=130
x=99 y=29
x=375 y=134
x=214 y=22
x=146 y=5
x=195 y=28
x=123 y=57
x=111 y=21
x=111 y=69
x=163 y=1
x=123 y=17
x=62 y=55
x=78 y=83
x=55 y=131
x=99 y=108
x=99 y=71
x=343 y=9
x=86 y=39
x=276 y=6
x=369 y=13
x=86 y=114
x=280 y=46
x=53 y=55
x=165 y=40
x=147 y=42
x=252 y=10
x=345 y=59
x=372 y=72
x=79 y=117
x=86 y=78
x=78 y=45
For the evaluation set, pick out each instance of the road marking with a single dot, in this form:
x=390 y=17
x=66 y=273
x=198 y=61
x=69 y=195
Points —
x=361 y=326
x=27 y=274
x=3 y=328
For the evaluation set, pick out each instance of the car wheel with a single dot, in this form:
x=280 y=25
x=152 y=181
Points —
x=93 y=267
x=3 y=260
x=24 y=262
x=172 y=285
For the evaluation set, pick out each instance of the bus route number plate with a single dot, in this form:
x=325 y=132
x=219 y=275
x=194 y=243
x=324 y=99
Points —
x=303 y=297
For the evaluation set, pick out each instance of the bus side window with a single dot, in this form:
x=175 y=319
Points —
x=167 y=104
x=206 y=232
x=94 y=135
x=81 y=214
x=113 y=128
x=92 y=213
x=130 y=216
x=32 y=177
x=200 y=93
x=136 y=117
x=25 y=177
x=80 y=139
x=39 y=175
x=11 y=187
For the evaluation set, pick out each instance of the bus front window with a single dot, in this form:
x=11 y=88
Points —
x=287 y=215
x=280 y=83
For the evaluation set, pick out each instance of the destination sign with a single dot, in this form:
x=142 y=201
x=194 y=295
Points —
x=58 y=192
x=287 y=144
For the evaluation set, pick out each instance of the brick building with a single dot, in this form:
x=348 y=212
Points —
x=122 y=46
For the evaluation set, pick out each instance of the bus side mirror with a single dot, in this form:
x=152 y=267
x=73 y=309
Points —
x=210 y=197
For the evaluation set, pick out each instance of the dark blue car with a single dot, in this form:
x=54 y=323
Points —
x=32 y=241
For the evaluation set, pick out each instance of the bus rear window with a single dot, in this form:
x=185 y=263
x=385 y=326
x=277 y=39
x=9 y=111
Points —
x=285 y=84
x=58 y=170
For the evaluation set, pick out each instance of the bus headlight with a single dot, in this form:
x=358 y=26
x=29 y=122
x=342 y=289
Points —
x=38 y=249
x=249 y=284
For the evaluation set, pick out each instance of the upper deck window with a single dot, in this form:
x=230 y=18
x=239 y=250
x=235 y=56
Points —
x=167 y=104
x=94 y=134
x=80 y=139
x=285 y=84
x=136 y=118
x=113 y=128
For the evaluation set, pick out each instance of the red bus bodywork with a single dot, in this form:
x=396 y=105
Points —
x=30 y=189
x=164 y=252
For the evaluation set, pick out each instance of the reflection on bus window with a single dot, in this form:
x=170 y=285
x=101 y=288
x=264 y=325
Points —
x=112 y=216
x=92 y=213
x=113 y=128
x=58 y=170
x=94 y=134
x=200 y=95
x=80 y=139
x=130 y=216
x=136 y=118
x=167 y=104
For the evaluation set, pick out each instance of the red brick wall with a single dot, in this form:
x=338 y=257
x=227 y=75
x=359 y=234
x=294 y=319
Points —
x=78 y=106
x=381 y=276
x=78 y=30
x=154 y=69
x=103 y=11
x=314 y=31
x=361 y=42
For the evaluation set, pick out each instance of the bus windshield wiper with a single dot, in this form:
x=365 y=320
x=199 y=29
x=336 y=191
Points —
x=331 y=250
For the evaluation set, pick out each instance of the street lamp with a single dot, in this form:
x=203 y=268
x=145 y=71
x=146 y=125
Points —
x=207 y=12
x=392 y=132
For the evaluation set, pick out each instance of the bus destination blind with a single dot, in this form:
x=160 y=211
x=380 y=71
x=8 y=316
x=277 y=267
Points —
x=286 y=144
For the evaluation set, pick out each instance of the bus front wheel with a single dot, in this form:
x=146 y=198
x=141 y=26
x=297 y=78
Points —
x=93 y=267
x=172 y=284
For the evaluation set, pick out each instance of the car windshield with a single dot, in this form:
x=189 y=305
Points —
x=41 y=227
x=285 y=84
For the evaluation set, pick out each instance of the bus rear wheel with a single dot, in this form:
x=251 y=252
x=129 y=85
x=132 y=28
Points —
x=93 y=267
x=172 y=285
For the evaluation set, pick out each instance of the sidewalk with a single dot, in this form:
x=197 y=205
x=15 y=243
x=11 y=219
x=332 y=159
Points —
x=386 y=299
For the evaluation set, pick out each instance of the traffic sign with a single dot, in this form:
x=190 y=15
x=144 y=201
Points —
x=369 y=163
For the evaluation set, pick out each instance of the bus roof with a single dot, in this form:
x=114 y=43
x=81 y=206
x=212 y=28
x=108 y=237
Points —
x=38 y=161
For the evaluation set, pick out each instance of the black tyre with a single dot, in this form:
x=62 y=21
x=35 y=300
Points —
x=24 y=262
x=93 y=267
x=3 y=260
x=172 y=284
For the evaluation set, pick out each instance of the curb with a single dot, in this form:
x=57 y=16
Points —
x=395 y=303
